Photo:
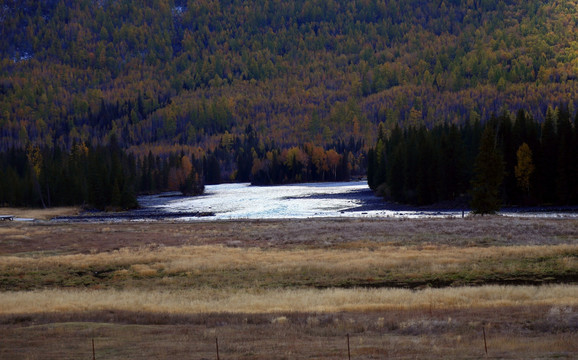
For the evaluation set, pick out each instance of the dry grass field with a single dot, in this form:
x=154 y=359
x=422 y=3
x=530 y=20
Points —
x=290 y=289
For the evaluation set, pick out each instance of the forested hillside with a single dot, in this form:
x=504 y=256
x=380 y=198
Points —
x=243 y=85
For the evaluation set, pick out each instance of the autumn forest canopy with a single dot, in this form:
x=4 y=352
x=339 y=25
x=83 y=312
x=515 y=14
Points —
x=179 y=94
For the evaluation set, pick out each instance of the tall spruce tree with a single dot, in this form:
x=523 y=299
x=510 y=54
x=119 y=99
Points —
x=548 y=161
x=488 y=175
x=565 y=159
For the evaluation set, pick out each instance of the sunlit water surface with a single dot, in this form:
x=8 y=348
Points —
x=313 y=200
x=243 y=201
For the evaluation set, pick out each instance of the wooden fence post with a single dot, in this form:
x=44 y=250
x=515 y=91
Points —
x=217 y=344
x=93 y=353
x=348 y=348
x=485 y=343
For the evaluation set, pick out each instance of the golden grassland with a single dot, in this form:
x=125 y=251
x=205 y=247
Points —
x=291 y=289
x=218 y=266
x=354 y=258
x=250 y=301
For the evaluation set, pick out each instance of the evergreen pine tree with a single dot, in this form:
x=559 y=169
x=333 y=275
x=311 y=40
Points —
x=565 y=159
x=548 y=161
x=488 y=175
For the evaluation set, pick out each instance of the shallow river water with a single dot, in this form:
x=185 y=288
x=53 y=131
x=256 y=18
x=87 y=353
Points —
x=243 y=201
x=313 y=200
x=297 y=201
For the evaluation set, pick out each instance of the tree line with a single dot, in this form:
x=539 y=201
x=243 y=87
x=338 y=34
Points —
x=252 y=158
x=512 y=160
x=108 y=177
x=104 y=177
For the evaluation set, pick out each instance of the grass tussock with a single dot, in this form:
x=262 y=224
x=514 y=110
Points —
x=294 y=300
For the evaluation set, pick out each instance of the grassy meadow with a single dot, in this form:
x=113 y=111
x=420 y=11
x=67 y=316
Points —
x=291 y=289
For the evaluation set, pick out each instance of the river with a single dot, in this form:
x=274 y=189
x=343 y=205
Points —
x=296 y=201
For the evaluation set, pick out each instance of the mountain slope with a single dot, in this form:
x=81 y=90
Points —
x=165 y=72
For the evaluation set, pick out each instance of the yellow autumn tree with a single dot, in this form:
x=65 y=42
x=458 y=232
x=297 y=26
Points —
x=525 y=167
x=333 y=159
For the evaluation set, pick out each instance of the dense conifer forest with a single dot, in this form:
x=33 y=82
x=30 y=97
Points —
x=506 y=160
x=195 y=92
